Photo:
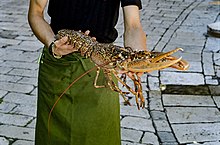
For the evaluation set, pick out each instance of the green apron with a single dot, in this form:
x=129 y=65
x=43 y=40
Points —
x=84 y=115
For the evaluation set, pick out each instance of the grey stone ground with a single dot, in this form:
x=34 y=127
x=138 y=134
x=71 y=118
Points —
x=186 y=112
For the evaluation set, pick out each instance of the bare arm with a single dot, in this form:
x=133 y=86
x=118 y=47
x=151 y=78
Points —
x=134 y=35
x=42 y=29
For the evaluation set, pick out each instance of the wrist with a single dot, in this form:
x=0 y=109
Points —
x=52 y=48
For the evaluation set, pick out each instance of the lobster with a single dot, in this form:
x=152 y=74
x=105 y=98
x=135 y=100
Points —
x=114 y=59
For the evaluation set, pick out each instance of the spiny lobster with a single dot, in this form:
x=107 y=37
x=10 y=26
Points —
x=114 y=59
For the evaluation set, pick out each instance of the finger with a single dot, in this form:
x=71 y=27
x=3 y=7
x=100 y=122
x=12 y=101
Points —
x=87 y=32
x=69 y=49
x=62 y=41
x=93 y=38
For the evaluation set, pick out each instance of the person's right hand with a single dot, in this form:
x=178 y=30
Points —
x=62 y=48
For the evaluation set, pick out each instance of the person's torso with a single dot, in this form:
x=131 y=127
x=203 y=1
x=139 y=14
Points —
x=98 y=16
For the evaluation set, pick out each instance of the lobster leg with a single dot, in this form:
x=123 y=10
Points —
x=123 y=83
x=96 y=79
x=138 y=89
x=114 y=87
x=140 y=94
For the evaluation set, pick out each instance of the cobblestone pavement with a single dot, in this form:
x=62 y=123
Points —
x=187 y=112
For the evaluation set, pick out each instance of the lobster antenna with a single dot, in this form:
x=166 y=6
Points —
x=48 y=123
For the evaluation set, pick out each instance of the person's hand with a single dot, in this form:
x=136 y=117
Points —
x=62 y=47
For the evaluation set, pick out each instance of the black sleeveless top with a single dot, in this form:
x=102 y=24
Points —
x=98 y=16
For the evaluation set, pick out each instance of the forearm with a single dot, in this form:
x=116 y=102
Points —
x=135 y=38
x=134 y=35
x=41 y=29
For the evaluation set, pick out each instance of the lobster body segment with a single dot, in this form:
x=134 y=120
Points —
x=115 y=59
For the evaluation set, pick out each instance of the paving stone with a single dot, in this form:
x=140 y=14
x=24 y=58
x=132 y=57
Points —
x=3 y=93
x=34 y=92
x=217 y=58
x=9 y=54
x=169 y=143
x=19 y=98
x=24 y=72
x=9 y=78
x=155 y=101
x=137 y=124
x=24 y=33
x=129 y=143
x=10 y=41
x=7 y=34
x=217 y=100
x=210 y=80
x=180 y=33
x=4 y=141
x=130 y=135
x=166 y=136
x=150 y=139
x=28 y=80
x=180 y=78
x=208 y=64
x=29 y=110
x=12 y=119
x=154 y=83
x=187 y=100
x=23 y=57
x=21 y=88
x=25 y=48
x=206 y=143
x=22 y=65
x=31 y=44
x=215 y=90
x=23 y=142
x=214 y=28
x=133 y=111
x=162 y=125
x=6 y=107
x=189 y=41
x=158 y=115
x=197 y=132
x=217 y=69
x=194 y=66
x=17 y=132
x=192 y=114
x=187 y=89
x=29 y=38
x=190 y=49
x=211 y=45
x=4 y=70
x=32 y=124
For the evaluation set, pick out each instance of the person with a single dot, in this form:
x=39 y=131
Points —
x=85 y=115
